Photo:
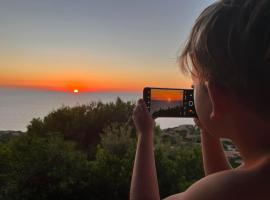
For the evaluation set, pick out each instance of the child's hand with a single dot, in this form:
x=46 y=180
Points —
x=142 y=119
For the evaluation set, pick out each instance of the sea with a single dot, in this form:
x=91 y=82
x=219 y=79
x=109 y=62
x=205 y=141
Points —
x=19 y=106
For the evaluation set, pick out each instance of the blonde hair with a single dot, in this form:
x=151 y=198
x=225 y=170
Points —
x=230 y=45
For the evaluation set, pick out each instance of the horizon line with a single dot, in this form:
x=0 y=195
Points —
x=65 y=90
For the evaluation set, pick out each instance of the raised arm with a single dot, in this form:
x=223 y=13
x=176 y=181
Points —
x=214 y=159
x=144 y=183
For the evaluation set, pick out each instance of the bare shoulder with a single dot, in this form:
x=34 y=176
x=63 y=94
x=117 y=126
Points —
x=230 y=184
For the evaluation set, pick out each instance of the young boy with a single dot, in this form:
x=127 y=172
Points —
x=228 y=55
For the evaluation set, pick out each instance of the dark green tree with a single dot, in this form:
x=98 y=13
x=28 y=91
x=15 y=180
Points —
x=84 y=123
x=34 y=167
x=51 y=160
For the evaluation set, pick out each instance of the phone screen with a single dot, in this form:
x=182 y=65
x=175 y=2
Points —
x=166 y=102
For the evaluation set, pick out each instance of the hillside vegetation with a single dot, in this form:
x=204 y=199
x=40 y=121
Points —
x=87 y=152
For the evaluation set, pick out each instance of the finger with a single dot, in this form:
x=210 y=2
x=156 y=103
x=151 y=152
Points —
x=140 y=102
x=142 y=105
x=144 y=108
x=197 y=121
x=137 y=109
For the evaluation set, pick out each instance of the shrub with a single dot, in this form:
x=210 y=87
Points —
x=47 y=162
x=33 y=167
x=84 y=123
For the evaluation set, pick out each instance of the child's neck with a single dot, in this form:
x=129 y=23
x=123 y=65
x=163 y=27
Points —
x=252 y=138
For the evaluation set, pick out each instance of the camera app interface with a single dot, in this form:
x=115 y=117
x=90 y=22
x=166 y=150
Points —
x=166 y=103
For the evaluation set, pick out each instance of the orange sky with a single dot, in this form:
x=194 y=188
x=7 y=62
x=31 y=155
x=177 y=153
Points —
x=165 y=95
x=66 y=73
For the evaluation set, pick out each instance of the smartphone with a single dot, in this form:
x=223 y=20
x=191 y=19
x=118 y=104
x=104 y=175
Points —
x=169 y=102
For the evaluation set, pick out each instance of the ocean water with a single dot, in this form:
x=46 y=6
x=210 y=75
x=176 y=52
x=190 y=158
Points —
x=19 y=106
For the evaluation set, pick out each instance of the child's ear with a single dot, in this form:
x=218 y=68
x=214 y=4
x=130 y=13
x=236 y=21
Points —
x=218 y=99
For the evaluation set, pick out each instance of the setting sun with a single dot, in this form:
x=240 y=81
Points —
x=75 y=91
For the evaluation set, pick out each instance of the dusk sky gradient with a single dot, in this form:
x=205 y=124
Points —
x=94 y=45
